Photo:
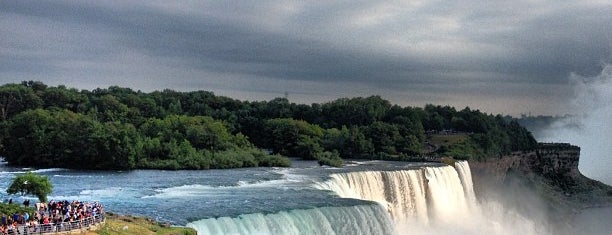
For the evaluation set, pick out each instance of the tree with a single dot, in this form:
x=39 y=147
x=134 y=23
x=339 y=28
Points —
x=295 y=138
x=33 y=184
x=16 y=98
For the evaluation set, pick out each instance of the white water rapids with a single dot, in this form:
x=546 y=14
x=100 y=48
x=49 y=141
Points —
x=428 y=200
x=431 y=200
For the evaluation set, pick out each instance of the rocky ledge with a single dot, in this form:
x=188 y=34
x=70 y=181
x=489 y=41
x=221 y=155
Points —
x=551 y=171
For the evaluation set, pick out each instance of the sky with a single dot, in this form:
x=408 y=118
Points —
x=592 y=129
x=507 y=57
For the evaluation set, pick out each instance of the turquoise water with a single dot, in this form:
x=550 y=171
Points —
x=303 y=199
x=180 y=197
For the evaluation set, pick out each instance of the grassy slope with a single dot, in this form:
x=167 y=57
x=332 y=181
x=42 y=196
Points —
x=120 y=225
x=445 y=140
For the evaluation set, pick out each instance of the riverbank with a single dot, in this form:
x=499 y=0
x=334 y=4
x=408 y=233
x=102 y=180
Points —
x=125 y=224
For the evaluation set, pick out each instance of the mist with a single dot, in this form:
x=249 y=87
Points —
x=591 y=127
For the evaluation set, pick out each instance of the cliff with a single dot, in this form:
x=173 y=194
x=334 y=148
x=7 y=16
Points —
x=550 y=172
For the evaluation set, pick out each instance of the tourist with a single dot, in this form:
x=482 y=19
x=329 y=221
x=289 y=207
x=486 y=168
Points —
x=15 y=217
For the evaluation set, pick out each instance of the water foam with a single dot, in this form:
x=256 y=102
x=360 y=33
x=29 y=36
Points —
x=197 y=190
x=48 y=170
x=431 y=200
x=355 y=220
x=26 y=170
x=109 y=192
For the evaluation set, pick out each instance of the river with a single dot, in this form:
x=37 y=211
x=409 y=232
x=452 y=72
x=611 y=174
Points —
x=368 y=197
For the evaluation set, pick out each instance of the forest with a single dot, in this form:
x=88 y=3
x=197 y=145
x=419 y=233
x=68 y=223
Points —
x=119 y=128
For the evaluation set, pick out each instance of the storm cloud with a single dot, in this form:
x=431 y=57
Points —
x=503 y=57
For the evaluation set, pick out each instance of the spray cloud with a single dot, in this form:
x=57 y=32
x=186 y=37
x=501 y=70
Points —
x=591 y=127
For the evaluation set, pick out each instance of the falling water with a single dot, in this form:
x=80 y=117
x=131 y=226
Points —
x=431 y=200
x=362 y=219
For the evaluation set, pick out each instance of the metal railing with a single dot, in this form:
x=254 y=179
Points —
x=56 y=227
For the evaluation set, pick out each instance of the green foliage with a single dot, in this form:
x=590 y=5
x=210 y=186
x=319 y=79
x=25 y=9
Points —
x=128 y=225
x=61 y=138
x=348 y=142
x=330 y=159
x=274 y=160
x=464 y=150
x=30 y=183
x=201 y=132
x=118 y=128
x=385 y=137
x=354 y=112
x=11 y=209
x=15 y=99
x=293 y=138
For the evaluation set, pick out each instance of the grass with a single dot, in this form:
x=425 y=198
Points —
x=10 y=209
x=125 y=225
x=445 y=140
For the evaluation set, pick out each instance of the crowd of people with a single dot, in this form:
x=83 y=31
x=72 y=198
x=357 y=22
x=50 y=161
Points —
x=50 y=217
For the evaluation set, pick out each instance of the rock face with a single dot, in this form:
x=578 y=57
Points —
x=552 y=161
x=550 y=170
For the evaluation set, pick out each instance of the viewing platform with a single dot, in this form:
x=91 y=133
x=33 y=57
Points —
x=74 y=227
x=61 y=217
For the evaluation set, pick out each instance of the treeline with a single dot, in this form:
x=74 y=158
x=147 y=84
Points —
x=119 y=128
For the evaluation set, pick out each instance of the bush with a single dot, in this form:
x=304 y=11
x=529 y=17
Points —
x=161 y=164
x=274 y=161
x=225 y=160
x=330 y=159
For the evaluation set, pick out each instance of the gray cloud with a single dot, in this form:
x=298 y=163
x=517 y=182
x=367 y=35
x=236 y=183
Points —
x=486 y=55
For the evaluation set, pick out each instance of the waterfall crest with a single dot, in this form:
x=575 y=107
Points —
x=427 y=200
x=362 y=219
x=439 y=193
x=431 y=200
x=402 y=193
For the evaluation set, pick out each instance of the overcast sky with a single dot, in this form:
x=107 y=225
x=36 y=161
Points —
x=507 y=57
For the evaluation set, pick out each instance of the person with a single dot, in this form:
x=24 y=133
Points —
x=26 y=203
x=21 y=219
x=10 y=201
x=34 y=226
x=9 y=229
x=15 y=217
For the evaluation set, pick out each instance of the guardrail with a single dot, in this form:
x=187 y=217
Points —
x=57 y=227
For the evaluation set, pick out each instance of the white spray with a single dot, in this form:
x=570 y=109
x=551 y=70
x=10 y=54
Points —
x=591 y=127
x=432 y=200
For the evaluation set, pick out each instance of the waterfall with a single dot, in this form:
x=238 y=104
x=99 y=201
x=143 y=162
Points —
x=447 y=197
x=431 y=200
x=402 y=193
x=362 y=219
x=427 y=200
x=419 y=195
x=465 y=174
